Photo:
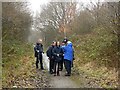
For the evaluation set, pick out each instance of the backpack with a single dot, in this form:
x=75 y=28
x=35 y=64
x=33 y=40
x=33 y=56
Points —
x=49 y=52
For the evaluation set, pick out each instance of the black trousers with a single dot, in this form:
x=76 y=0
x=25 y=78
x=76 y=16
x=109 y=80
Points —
x=61 y=64
x=56 y=66
x=51 y=65
x=39 y=59
x=67 y=66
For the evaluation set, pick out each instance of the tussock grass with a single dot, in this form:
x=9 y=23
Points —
x=96 y=55
x=17 y=61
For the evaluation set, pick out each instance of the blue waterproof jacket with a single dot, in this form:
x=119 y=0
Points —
x=68 y=52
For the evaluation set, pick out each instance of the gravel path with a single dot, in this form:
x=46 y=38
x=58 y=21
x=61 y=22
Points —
x=74 y=81
x=42 y=79
x=62 y=82
x=59 y=81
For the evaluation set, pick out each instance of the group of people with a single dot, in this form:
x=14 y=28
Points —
x=59 y=55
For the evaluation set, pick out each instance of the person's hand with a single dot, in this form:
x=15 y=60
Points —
x=58 y=55
x=38 y=51
x=52 y=57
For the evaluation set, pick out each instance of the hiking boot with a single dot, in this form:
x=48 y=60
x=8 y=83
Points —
x=54 y=74
x=42 y=69
x=67 y=74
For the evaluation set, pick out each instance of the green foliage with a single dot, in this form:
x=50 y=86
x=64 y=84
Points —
x=16 y=22
x=99 y=46
x=15 y=58
x=13 y=49
x=97 y=55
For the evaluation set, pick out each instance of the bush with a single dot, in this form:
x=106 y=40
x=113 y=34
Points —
x=99 y=46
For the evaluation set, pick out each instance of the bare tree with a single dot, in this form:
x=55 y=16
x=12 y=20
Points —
x=56 y=17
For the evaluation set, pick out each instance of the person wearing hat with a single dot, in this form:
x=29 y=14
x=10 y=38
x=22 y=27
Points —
x=68 y=57
x=61 y=63
x=65 y=41
x=38 y=49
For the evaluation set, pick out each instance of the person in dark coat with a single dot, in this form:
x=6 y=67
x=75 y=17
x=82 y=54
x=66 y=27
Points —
x=38 y=49
x=68 y=57
x=58 y=53
x=61 y=63
x=51 y=57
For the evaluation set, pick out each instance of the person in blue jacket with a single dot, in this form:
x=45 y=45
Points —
x=68 y=57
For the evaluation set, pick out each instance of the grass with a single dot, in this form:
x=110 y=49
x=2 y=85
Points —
x=17 y=62
x=96 y=55
x=101 y=75
x=18 y=67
